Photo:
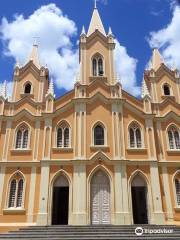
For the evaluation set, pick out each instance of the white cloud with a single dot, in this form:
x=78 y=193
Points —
x=55 y=32
x=126 y=68
x=168 y=39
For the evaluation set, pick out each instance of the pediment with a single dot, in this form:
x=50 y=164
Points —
x=97 y=37
x=162 y=71
x=98 y=86
x=101 y=156
x=29 y=68
x=170 y=115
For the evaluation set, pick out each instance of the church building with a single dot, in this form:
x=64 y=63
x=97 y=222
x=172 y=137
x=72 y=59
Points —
x=96 y=155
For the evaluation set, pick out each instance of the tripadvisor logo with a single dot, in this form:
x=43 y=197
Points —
x=139 y=231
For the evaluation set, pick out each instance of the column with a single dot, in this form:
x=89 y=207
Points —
x=42 y=218
x=79 y=215
x=2 y=174
x=156 y=194
x=167 y=193
x=150 y=139
x=127 y=219
x=36 y=140
x=6 y=141
x=31 y=195
x=80 y=131
x=119 y=215
x=47 y=139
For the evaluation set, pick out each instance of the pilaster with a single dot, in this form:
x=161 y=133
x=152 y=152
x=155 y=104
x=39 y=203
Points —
x=36 y=140
x=31 y=195
x=6 y=141
x=79 y=216
x=2 y=174
x=156 y=194
x=80 y=130
x=42 y=218
x=167 y=193
x=47 y=139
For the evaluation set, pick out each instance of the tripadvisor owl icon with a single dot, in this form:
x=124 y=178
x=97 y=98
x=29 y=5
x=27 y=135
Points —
x=139 y=231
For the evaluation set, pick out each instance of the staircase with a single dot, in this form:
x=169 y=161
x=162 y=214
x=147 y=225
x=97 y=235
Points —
x=104 y=232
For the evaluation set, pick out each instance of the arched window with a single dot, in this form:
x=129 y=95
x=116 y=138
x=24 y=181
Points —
x=27 y=88
x=166 y=90
x=174 y=138
x=16 y=188
x=63 y=135
x=177 y=187
x=99 y=135
x=22 y=137
x=100 y=67
x=97 y=65
x=94 y=67
x=135 y=139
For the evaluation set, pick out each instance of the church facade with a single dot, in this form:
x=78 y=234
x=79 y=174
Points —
x=96 y=155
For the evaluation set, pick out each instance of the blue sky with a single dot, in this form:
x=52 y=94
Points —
x=132 y=22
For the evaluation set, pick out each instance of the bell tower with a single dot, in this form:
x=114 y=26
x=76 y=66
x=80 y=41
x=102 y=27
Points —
x=161 y=80
x=30 y=80
x=96 y=52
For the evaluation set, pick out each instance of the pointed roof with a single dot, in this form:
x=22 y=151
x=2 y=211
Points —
x=96 y=23
x=145 y=91
x=34 y=56
x=110 y=32
x=156 y=60
x=83 y=32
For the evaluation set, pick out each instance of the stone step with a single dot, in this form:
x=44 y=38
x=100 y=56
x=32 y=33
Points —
x=101 y=232
x=95 y=238
x=48 y=234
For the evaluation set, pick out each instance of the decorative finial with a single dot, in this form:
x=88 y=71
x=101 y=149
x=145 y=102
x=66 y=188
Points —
x=50 y=90
x=145 y=91
x=3 y=92
x=83 y=32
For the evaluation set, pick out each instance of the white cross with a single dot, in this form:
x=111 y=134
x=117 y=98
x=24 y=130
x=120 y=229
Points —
x=36 y=40
x=95 y=3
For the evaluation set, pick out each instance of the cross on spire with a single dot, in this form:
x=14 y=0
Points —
x=35 y=42
x=95 y=3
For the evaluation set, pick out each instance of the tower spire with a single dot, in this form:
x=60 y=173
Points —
x=34 y=56
x=157 y=59
x=96 y=23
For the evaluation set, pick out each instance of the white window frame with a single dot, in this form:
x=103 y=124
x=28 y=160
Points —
x=174 y=143
x=105 y=133
x=63 y=129
x=135 y=140
x=13 y=176
x=97 y=56
x=26 y=127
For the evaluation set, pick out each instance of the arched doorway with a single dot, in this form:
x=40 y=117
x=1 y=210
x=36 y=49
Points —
x=60 y=208
x=139 y=200
x=100 y=198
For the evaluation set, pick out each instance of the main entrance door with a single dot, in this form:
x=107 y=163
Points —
x=100 y=198
x=139 y=200
x=60 y=201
